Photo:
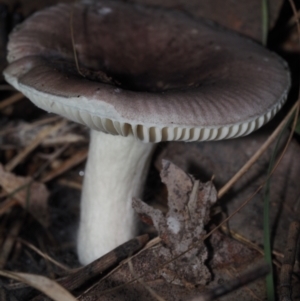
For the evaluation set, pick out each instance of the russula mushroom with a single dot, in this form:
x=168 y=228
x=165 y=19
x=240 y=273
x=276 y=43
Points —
x=144 y=75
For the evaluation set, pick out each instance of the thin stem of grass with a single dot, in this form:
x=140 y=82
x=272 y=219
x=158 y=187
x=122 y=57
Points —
x=73 y=42
x=266 y=222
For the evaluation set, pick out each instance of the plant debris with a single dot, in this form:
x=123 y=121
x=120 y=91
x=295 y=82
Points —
x=55 y=157
x=46 y=285
x=189 y=203
x=176 y=265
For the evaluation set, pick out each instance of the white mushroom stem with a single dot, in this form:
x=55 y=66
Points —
x=115 y=172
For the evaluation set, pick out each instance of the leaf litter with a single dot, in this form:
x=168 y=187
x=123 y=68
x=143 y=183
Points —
x=31 y=195
x=189 y=203
x=230 y=258
x=179 y=266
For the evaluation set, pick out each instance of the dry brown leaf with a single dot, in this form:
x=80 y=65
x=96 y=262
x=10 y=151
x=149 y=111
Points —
x=41 y=283
x=189 y=203
x=31 y=195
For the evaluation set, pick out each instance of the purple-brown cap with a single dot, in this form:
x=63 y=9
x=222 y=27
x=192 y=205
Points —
x=155 y=74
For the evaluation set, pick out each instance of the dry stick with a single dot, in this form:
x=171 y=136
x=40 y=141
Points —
x=66 y=165
x=44 y=255
x=249 y=243
x=234 y=284
x=67 y=138
x=43 y=121
x=71 y=184
x=153 y=242
x=293 y=19
x=31 y=125
x=34 y=144
x=50 y=272
x=11 y=100
x=50 y=159
x=9 y=242
x=16 y=253
x=99 y=266
x=237 y=236
x=288 y=262
x=41 y=283
x=259 y=152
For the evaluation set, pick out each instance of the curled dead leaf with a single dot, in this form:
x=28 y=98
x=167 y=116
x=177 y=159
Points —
x=189 y=203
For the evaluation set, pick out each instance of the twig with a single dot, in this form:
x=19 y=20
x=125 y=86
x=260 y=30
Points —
x=68 y=138
x=71 y=184
x=293 y=19
x=44 y=255
x=66 y=165
x=99 y=266
x=288 y=262
x=9 y=242
x=47 y=286
x=249 y=243
x=34 y=144
x=50 y=158
x=107 y=261
x=34 y=124
x=49 y=267
x=11 y=100
x=16 y=253
x=234 y=284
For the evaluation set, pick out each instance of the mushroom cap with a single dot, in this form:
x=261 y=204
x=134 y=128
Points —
x=156 y=74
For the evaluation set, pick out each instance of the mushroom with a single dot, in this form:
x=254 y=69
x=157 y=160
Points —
x=144 y=75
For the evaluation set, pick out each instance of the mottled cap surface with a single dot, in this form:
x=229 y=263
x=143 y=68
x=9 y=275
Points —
x=152 y=73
